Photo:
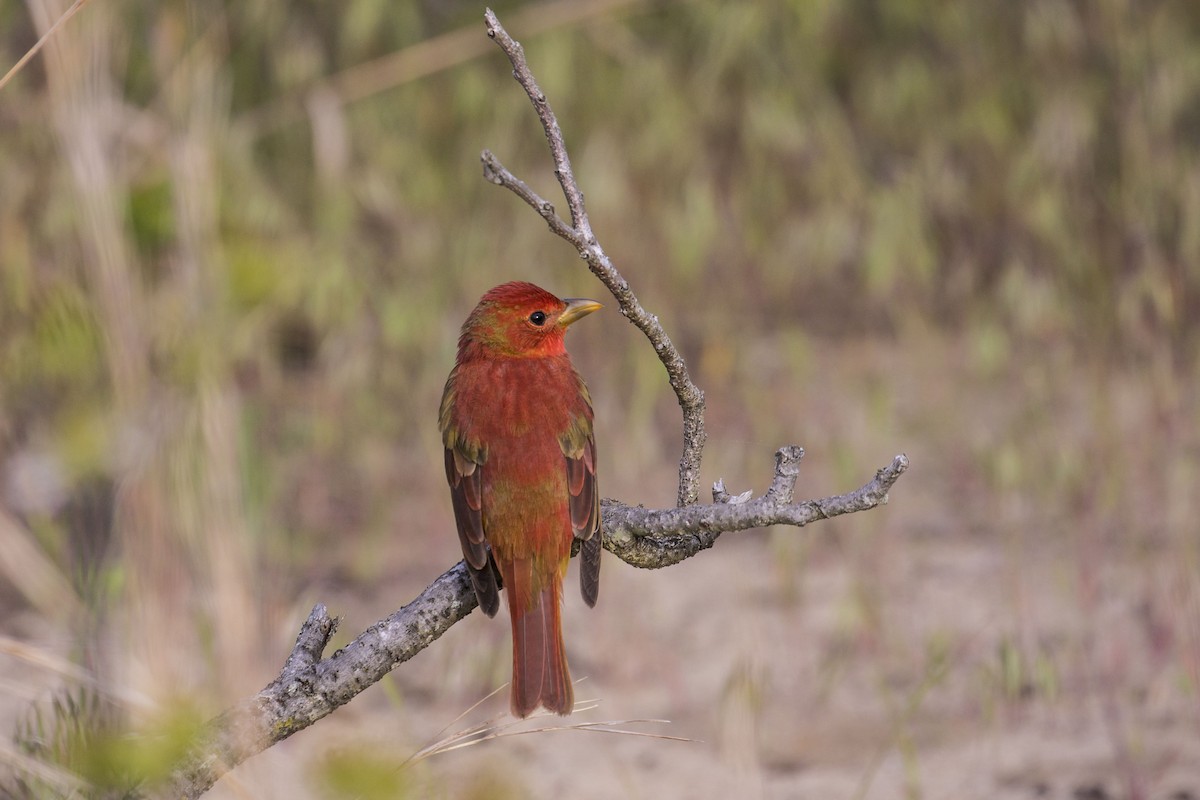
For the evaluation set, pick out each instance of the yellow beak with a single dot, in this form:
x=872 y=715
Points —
x=577 y=307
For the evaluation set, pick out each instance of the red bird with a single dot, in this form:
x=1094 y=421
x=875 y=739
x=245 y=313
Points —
x=516 y=420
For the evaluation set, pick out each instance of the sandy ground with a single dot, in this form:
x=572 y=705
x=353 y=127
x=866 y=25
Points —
x=948 y=645
x=783 y=699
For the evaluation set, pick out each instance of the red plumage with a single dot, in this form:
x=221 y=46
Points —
x=516 y=421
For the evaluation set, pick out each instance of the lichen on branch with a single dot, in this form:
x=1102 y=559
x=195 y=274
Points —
x=310 y=685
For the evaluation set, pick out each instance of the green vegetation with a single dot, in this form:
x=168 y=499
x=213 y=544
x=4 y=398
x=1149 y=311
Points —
x=232 y=267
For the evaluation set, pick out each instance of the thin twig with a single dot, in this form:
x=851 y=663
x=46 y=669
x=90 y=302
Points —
x=652 y=538
x=31 y=52
x=579 y=233
x=594 y=727
x=494 y=728
x=419 y=60
x=311 y=687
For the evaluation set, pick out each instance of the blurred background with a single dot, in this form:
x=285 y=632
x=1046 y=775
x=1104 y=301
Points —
x=236 y=244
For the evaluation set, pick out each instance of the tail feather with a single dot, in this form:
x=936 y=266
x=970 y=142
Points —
x=540 y=672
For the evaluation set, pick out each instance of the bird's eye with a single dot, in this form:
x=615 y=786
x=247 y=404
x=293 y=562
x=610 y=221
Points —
x=538 y=318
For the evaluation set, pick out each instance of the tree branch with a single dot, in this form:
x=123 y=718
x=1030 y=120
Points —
x=659 y=538
x=579 y=233
x=310 y=687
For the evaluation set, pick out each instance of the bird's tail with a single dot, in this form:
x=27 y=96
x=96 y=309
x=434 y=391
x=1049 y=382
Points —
x=540 y=672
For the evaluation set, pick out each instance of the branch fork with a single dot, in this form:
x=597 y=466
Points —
x=310 y=686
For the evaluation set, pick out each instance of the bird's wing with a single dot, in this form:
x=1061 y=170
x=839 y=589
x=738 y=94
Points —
x=585 y=518
x=466 y=480
x=579 y=447
x=465 y=463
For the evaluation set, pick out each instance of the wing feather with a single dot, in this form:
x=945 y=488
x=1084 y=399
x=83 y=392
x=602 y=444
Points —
x=584 y=505
x=466 y=479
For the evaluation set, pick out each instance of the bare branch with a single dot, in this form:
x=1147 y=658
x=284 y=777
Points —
x=33 y=51
x=419 y=60
x=579 y=233
x=310 y=687
x=659 y=538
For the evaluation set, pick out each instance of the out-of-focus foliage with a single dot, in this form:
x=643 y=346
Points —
x=836 y=166
x=842 y=166
x=299 y=242
x=847 y=165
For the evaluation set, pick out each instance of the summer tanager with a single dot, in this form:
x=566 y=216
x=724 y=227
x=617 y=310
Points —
x=516 y=420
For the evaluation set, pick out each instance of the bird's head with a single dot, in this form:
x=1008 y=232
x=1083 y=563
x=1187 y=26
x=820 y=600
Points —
x=520 y=320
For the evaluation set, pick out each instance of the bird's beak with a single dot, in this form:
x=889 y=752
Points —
x=576 y=307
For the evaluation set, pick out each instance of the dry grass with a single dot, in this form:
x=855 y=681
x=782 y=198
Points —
x=221 y=351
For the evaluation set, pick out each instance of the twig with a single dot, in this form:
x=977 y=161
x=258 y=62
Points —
x=419 y=60
x=659 y=538
x=493 y=728
x=310 y=687
x=33 y=51
x=579 y=233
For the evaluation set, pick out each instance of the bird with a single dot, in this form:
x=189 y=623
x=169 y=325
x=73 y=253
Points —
x=516 y=423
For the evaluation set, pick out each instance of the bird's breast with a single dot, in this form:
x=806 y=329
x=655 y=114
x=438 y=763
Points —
x=512 y=399
x=518 y=409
